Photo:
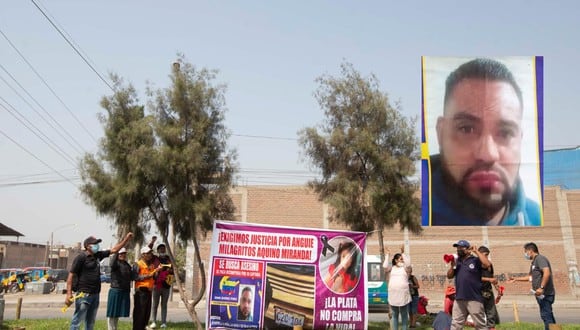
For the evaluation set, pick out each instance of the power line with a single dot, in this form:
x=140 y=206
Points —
x=265 y=137
x=46 y=139
x=36 y=157
x=59 y=132
x=48 y=86
x=16 y=184
x=73 y=46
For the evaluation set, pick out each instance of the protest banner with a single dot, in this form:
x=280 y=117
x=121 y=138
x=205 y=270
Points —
x=272 y=277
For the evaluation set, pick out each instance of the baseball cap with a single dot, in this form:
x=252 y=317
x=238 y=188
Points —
x=91 y=240
x=462 y=243
x=123 y=250
x=145 y=249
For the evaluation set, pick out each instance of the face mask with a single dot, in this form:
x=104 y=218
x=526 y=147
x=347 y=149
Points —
x=527 y=256
x=400 y=264
x=163 y=254
x=94 y=248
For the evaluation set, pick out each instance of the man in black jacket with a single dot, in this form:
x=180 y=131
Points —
x=86 y=273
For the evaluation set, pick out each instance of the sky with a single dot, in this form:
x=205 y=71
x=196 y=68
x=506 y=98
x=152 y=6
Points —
x=267 y=53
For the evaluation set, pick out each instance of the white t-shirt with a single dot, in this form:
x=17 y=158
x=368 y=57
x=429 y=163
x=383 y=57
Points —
x=399 y=294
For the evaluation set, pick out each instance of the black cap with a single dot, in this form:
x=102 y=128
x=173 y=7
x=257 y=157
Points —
x=160 y=246
x=91 y=240
x=462 y=243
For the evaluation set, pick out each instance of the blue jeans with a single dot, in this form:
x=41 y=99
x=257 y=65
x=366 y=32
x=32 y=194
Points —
x=85 y=310
x=546 y=310
x=404 y=312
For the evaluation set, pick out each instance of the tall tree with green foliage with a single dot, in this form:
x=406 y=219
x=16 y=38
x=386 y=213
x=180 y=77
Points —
x=170 y=168
x=366 y=151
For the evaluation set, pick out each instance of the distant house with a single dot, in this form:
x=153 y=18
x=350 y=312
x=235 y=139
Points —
x=6 y=231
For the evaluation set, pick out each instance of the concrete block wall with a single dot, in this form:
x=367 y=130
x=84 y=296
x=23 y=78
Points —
x=298 y=206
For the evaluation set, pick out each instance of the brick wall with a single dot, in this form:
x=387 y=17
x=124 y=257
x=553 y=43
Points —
x=299 y=207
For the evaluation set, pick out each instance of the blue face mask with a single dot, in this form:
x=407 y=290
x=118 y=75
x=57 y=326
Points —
x=527 y=256
x=94 y=248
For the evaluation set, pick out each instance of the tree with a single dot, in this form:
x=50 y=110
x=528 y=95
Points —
x=170 y=168
x=366 y=151
x=113 y=179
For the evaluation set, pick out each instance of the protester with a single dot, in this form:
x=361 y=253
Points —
x=443 y=319
x=399 y=295
x=85 y=272
x=449 y=300
x=488 y=283
x=119 y=298
x=144 y=271
x=414 y=291
x=162 y=286
x=540 y=275
x=422 y=306
x=467 y=271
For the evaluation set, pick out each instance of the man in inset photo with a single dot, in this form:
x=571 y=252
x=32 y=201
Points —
x=246 y=304
x=475 y=178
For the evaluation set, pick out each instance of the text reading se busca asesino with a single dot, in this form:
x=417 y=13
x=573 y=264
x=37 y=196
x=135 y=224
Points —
x=265 y=239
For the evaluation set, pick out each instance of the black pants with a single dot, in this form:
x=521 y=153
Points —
x=491 y=314
x=142 y=309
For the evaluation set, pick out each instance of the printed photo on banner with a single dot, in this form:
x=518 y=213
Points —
x=236 y=293
x=341 y=269
x=267 y=277
x=289 y=301
x=482 y=141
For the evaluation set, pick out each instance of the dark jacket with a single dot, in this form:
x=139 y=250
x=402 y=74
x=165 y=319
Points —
x=121 y=274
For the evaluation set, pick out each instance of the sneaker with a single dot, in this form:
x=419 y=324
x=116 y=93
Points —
x=153 y=325
x=163 y=325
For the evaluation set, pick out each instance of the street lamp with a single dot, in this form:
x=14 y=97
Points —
x=49 y=256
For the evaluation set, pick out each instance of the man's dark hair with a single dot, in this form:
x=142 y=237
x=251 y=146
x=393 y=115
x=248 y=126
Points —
x=481 y=68
x=531 y=246
x=247 y=288
x=483 y=249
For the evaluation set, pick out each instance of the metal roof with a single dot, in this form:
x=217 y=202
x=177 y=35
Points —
x=7 y=231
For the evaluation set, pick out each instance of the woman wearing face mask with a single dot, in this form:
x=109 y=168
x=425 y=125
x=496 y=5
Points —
x=119 y=298
x=399 y=295
x=162 y=287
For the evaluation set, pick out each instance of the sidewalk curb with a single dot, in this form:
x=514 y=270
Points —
x=57 y=301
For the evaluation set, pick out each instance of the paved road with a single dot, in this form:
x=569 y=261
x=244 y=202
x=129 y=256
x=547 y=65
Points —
x=49 y=305
x=179 y=314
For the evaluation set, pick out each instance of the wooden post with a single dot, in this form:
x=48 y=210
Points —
x=2 y=305
x=18 y=308
x=516 y=314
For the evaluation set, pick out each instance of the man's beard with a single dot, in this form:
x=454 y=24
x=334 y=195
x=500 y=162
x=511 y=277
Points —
x=487 y=202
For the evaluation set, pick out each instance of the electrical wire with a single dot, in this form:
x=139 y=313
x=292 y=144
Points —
x=73 y=46
x=37 y=158
x=48 y=141
x=59 y=132
x=49 y=88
